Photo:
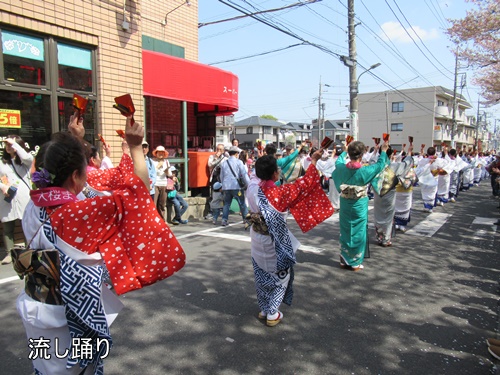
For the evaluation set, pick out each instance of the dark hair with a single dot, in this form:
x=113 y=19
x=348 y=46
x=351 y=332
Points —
x=243 y=156
x=265 y=167
x=6 y=158
x=61 y=156
x=90 y=151
x=389 y=151
x=313 y=150
x=453 y=152
x=270 y=149
x=431 y=151
x=356 y=150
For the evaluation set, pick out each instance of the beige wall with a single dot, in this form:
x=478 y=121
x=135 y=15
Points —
x=99 y=24
x=181 y=27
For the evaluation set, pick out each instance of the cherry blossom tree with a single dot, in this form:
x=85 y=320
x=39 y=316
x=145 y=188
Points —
x=477 y=38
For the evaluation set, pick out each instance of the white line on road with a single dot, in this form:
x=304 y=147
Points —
x=239 y=237
x=484 y=221
x=228 y=236
x=9 y=279
x=430 y=225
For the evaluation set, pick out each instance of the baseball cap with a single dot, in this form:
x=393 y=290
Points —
x=217 y=185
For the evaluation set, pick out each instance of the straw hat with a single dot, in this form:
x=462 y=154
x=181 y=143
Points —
x=159 y=149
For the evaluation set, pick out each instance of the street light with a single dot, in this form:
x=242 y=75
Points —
x=353 y=93
x=370 y=68
x=321 y=106
x=187 y=2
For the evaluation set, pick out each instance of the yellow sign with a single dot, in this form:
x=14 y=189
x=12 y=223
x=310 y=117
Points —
x=437 y=127
x=10 y=118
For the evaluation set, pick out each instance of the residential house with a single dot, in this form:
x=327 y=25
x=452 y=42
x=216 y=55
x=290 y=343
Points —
x=248 y=130
x=334 y=129
x=301 y=131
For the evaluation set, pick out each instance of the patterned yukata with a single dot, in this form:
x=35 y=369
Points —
x=384 y=207
x=120 y=234
x=354 y=212
x=273 y=248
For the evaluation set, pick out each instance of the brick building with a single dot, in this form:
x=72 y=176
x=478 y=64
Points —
x=103 y=49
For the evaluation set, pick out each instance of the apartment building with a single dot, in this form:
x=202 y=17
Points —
x=424 y=113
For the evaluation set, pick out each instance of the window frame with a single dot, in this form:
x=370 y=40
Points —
x=398 y=107
x=396 y=128
x=51 y=86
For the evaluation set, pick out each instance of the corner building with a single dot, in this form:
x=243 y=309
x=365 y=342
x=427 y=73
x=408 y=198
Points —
x=103 y=49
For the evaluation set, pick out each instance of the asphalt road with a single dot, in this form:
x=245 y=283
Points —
x=423 y=306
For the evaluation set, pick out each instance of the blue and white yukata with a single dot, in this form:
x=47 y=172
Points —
x=273 y=254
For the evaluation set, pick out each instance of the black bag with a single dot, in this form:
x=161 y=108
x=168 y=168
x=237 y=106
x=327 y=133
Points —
x=240 y=179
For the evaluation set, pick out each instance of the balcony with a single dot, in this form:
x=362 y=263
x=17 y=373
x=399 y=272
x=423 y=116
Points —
x=442 y=112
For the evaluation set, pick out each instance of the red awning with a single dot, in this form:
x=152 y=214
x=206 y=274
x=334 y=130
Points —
x=169 y=77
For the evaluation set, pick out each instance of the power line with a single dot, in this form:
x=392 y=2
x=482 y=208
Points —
x=435 y=14
x=293 y=35
x=418 y=36
x=299 y=4
x=257 y=54
x=414 y=42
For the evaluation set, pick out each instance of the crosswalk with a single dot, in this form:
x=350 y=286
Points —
x=427 y=226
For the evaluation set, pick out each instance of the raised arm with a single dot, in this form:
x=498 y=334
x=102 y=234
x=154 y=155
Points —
x=134 y=135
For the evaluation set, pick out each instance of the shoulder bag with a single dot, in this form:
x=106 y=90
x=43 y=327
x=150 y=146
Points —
x=241 y=180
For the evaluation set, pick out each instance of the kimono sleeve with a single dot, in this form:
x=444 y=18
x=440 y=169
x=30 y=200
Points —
x=136 y=245
x=113 y=178
x=305 y=199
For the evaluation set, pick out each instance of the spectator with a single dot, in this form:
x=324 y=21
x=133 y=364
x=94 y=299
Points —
x=151 y=169
x=214 y=163
x=173 y=196
x=217 y=201
x=15 y=185
x=162 y=166
x=232 y=171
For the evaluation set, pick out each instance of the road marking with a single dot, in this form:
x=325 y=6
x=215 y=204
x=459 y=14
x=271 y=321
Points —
x=218 y=227
x=9 y=279
x=483 y=221
x=239 y=237
x=430 y=225
x=228 y=236
x=310 y=249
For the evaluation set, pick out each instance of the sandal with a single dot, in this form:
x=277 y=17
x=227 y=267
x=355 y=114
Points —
x=272 y=323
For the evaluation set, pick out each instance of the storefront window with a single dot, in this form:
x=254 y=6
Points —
x=26 y=115
x=75 y=68
x=23 y=59
x=66 y=109
x=45 y=106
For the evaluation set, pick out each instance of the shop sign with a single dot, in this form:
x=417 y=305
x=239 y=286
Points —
x=10 y=118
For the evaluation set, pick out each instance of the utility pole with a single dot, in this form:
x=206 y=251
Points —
x=319 y=113
x=454 y=116
x=322 y=123
x=353 y=83
x=477 y=125
x=387 y=111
